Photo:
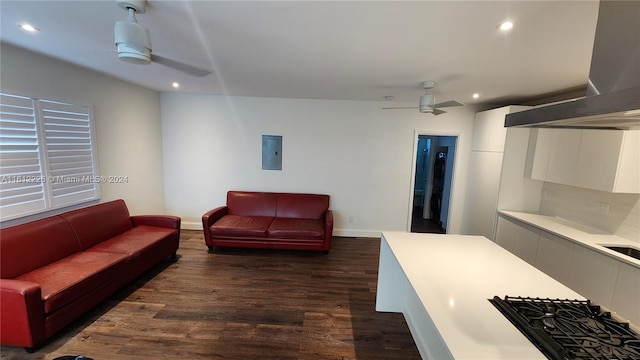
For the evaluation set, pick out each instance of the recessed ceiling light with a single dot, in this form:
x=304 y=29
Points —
x=476 y=95
x=175 y=85
x=505 y=26
x=28 y=27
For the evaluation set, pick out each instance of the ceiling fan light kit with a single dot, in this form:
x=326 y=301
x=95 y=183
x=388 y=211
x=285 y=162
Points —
x=133 y=42
x=426 y=101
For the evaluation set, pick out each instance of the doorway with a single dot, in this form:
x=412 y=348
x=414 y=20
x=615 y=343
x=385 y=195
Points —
x=433 y=173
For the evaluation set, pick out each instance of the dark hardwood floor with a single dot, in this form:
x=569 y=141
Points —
x=242 y=304
x=420 y=225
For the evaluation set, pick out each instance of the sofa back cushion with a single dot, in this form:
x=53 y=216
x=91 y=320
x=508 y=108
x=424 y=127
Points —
x=97 y=223
x=26 y=247
x=302 y=206
x=249 y=203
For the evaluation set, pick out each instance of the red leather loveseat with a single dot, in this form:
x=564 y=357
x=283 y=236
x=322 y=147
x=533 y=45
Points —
x=271 y=221
x=55 y=269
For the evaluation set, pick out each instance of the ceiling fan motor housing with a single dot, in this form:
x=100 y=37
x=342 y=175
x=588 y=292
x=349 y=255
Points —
x=426 y=103
x=428 y=84
x=133 y=42
x=139 y=6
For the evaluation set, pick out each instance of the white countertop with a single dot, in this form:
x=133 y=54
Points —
x=577 y=233
x=455 y=275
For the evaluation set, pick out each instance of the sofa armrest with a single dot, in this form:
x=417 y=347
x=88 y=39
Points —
x=209 y=218
x=22 y=313
x=166 y=221
x=328 y=229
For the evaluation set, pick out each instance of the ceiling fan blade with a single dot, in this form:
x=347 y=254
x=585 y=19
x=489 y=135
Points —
x=438 y=112
x=448 y=104
x=191 y=70
x=394 y=108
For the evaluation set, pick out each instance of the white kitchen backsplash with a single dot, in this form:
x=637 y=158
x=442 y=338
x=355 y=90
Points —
x=588 y=208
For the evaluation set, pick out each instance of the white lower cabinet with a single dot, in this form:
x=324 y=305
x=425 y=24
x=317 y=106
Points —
x=602 y=279
x=505 y=233
x=554 y=256
x=519 y=238
x=525 y=243
x=593 y=275
x=626 y=296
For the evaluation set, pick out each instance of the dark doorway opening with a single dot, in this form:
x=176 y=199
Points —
x=432 y=183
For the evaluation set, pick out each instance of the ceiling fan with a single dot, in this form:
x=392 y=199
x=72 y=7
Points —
x=134 y=42
x=427 y=101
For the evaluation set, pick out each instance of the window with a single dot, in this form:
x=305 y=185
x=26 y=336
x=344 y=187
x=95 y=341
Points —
x=47 y=156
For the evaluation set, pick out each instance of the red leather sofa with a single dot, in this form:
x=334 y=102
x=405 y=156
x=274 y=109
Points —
x=55 y=269
x=270 y=220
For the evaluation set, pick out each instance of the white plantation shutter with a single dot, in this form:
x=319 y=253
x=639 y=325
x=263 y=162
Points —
x=47 y=156
x=69 y=142
x=21 y=185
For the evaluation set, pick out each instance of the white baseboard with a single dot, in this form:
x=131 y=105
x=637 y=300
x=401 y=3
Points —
x=357 y=233
x=191 y=225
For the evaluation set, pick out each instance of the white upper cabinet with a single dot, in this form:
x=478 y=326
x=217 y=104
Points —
x=597 y=165
x=563 y=156
x=605 y=160
x=609 y=161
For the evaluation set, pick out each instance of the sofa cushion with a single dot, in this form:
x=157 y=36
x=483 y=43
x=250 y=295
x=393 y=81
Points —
x=97 y=223
x=68 y=279
x=284 y=228
x=251 y=203
x=136 y=241
x=302 y=206
x=241 y=226
x=26 y=247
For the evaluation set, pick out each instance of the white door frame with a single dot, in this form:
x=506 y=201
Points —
x=456 y=158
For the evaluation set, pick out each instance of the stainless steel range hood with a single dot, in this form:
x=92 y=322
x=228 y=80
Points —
x=613 y=88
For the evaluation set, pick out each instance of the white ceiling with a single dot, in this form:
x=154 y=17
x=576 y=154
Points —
x=351 y=50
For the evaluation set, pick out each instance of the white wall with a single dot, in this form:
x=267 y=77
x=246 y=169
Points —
x=127 y=121
x=359 y=154
x=352 y=150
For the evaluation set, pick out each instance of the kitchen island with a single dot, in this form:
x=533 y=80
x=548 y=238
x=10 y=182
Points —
x=442 y=283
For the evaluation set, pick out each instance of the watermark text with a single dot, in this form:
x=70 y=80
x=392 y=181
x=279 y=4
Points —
x=84 y=179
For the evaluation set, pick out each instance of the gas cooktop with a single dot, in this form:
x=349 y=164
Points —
x=570 y=329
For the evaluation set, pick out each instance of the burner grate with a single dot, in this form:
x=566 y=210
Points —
x=570 y=329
